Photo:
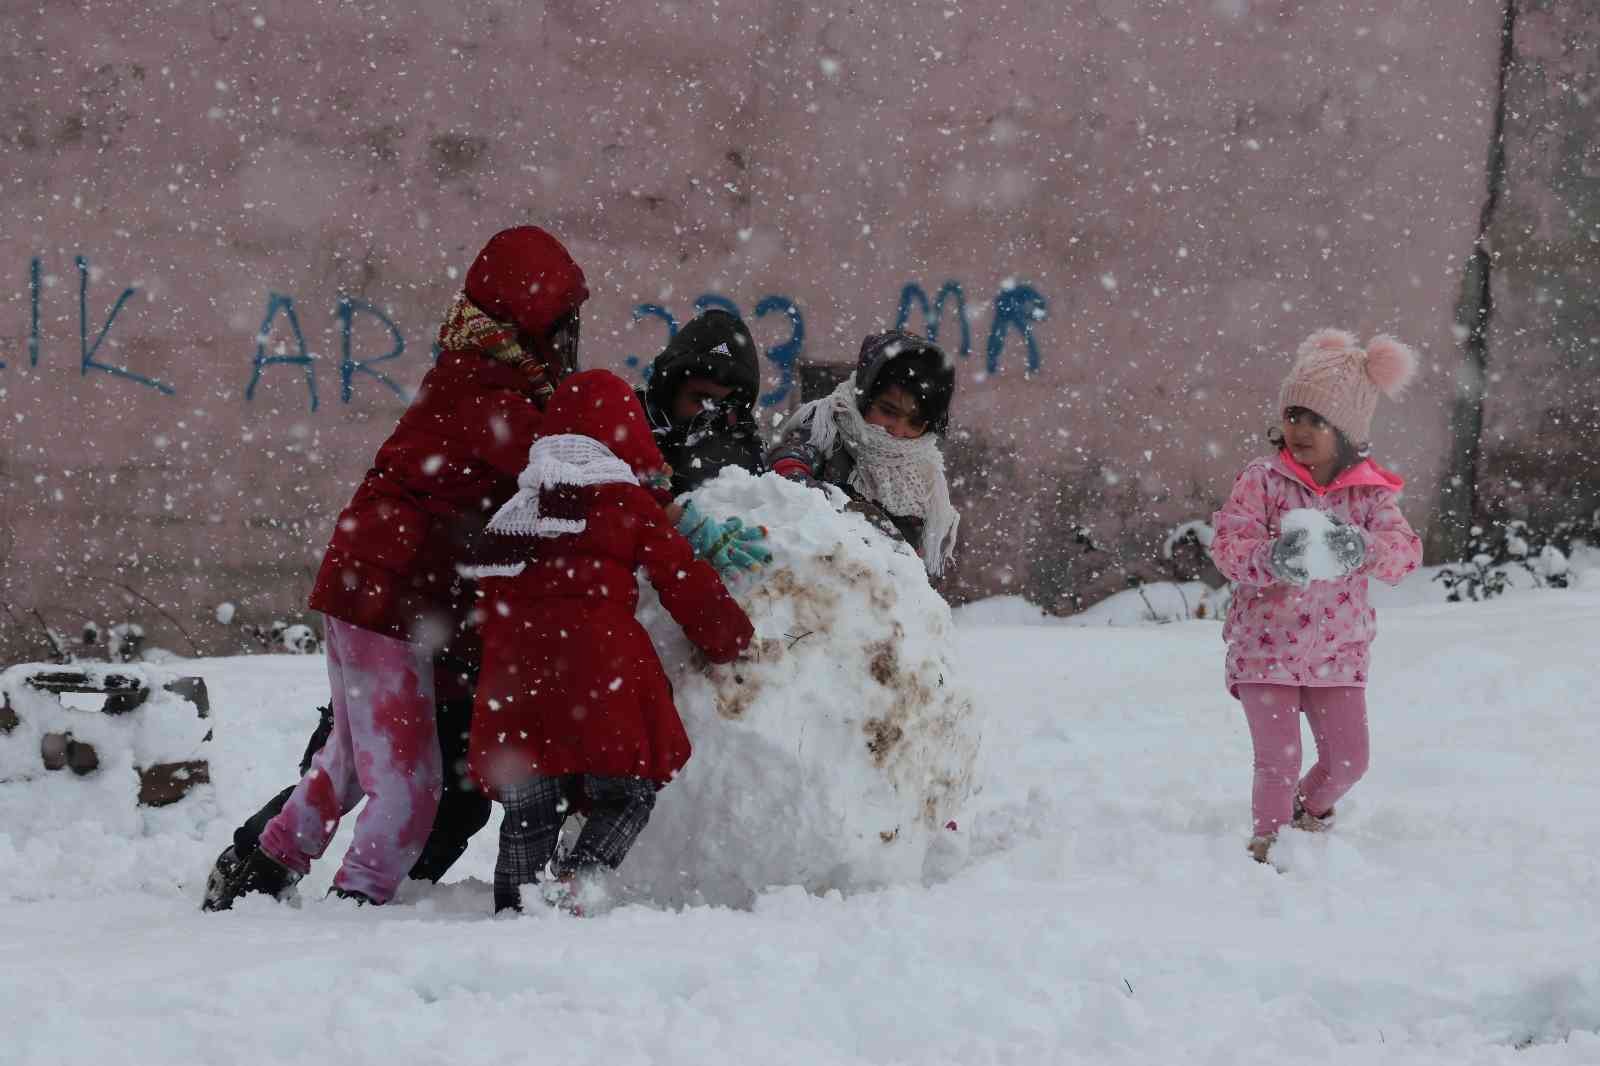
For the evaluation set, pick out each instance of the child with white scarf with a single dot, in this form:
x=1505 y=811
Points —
x=877 y=437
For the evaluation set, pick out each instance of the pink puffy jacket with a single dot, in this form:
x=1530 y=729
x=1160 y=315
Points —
x=1319 y=635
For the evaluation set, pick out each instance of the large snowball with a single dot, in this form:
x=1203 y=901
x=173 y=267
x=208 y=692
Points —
x=836 y=753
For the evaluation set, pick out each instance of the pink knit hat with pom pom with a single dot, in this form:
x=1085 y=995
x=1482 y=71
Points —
x=1340 y=381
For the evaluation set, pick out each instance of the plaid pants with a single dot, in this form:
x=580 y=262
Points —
x=617 y=808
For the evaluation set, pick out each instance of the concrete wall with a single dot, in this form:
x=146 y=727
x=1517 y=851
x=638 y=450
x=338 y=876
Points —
x=1142 y=206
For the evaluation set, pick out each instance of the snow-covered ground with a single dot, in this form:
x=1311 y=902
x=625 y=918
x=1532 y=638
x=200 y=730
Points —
x=1106 y=913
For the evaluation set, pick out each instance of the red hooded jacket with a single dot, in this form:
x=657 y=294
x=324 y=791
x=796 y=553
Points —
x=571 y=682
x=453 y=459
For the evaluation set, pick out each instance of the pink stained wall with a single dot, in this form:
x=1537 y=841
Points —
x=1169 y=195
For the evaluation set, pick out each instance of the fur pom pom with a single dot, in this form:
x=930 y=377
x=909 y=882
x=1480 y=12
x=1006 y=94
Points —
x=1390 y=365
x=1329 y=340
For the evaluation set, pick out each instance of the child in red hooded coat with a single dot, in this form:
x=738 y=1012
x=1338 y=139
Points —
x=399 y=646
x=572 y=705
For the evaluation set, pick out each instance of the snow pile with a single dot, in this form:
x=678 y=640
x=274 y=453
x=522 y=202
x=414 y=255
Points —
x=1156 y=602
x=62 y=832
x=1150 y=603
x=1321 y=565
x=164 y=728
x=1010 y=610
x=837 y=751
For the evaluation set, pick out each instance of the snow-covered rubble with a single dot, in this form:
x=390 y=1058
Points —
x=165 y=727
x=838 y=752
x=65 y=832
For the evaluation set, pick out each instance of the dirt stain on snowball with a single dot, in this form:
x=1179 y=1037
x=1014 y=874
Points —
x=858 y=575
x=737 y=687
x=814 y=606
x=911 y=698
x=735 y=692
x=882 y=736
x=882 y=662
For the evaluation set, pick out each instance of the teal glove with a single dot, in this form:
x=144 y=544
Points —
x=698 y=529
x=739 y=548
x=729 y=546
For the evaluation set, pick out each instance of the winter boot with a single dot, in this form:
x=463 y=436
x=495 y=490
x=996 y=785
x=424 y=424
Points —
x=508 y=898
x=562 y=893
x=257 y=872
x=217 y=880
x=1307 y=822
x=1259 y=846
x=360 y=899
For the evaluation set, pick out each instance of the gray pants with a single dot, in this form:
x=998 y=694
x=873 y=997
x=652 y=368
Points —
x=616 y=808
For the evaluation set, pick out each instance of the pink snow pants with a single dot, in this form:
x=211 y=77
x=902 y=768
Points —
x=385 y=747
x=1338 y=718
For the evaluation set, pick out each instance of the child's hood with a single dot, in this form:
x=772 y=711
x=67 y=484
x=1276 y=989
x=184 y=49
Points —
x=929 y=366
x=600 y=405
x=1365 y=473
x=526 y=277
x=715 y=345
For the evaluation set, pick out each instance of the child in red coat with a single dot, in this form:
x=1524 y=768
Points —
x=572 y=705
x=388 y=589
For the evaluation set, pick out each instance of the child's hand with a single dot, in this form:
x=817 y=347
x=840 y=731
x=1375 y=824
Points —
x=697 y=527
x=1288 y=562
x=728 y=546
x=1347 y=543
x=739 y=548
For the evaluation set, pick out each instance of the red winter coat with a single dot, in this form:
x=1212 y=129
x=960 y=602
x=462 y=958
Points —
x=454 y=458
x=570 y=681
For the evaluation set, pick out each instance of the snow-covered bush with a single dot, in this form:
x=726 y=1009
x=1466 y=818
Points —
x=1186 y=542
x=1096 y=531
x=275 y=637
x=300 y=639
x=122 y=642
x=1512 y=554
x=279 y=637
x=125 y=642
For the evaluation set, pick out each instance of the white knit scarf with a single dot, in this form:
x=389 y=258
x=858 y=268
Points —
x=562 y=459
x=903 y=476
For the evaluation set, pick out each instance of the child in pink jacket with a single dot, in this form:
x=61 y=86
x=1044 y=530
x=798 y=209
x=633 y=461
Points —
x=1299 y=626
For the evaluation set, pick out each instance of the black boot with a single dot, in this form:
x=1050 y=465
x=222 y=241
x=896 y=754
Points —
x=360 y=899
x=225 y=867
x=257 y=872
x=507 y=898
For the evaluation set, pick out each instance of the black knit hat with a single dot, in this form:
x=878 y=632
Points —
x=715 y=345
x=898 y=357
